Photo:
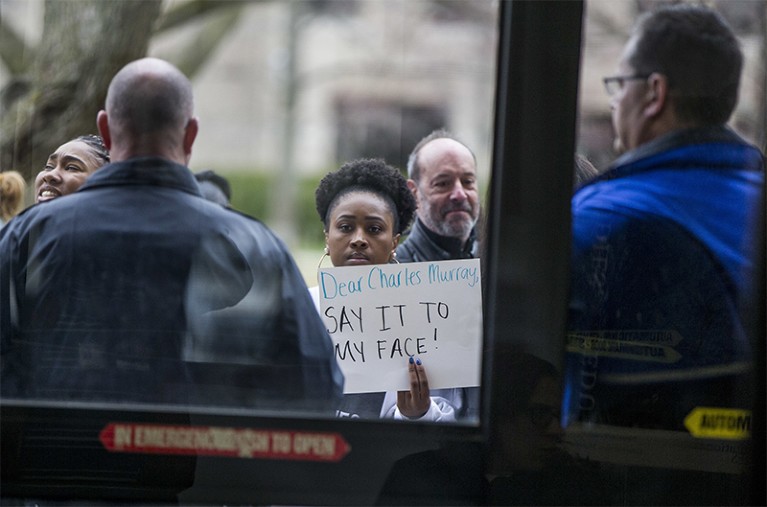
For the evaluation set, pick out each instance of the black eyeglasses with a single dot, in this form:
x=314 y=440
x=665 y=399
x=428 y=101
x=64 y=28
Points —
x=614 y=84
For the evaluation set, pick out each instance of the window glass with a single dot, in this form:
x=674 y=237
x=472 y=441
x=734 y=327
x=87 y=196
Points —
x=625 y=357
x=661 y=352
x=162 y=302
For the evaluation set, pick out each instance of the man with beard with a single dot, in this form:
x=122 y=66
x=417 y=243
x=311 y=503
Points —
x=442 y=174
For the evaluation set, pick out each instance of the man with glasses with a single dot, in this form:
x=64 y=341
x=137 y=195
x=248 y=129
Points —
x=663 y=241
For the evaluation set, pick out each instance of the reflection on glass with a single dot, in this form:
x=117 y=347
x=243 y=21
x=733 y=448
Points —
x=320 y=82
x=159 y=296
x=663 y=261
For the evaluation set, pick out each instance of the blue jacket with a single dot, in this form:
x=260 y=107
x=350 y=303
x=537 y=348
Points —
x=663 y=255
x=135 y=288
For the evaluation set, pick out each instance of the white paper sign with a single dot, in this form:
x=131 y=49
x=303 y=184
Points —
x=378 y=316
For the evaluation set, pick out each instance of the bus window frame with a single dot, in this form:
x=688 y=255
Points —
x=523 y=89
x=525 y=300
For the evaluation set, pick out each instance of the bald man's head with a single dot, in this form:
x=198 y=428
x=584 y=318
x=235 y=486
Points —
x=149 y=106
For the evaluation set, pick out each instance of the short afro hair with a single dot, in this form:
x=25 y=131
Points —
x=367 y=175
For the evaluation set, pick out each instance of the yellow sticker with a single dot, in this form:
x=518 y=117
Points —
x=622 y=349
x=715 y=422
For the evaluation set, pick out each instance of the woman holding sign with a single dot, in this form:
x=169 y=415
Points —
x=364 y=207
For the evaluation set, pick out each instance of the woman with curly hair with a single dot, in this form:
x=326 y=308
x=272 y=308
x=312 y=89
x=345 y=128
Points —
x=69 y=166
x=364 y=207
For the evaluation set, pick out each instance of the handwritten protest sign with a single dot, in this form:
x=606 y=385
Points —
x=378 y=316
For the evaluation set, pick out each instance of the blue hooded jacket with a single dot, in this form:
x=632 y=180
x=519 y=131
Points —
x=662 y=264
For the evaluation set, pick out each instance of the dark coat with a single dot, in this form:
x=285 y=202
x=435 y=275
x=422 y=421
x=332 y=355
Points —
x=419 y=247
x=135 y=288
x=662 y=260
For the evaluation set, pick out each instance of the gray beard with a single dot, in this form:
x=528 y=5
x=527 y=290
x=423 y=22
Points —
x=460 y=230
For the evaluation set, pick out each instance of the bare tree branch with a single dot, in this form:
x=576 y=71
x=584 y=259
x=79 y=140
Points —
x=65 y=80
x=183 y=13
x=215 y=30
x=70 y=76
x=14 y=52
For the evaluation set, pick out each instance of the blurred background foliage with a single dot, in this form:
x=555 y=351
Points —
x=251 y=192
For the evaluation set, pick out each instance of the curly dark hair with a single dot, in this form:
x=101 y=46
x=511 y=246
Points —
x=368 y=175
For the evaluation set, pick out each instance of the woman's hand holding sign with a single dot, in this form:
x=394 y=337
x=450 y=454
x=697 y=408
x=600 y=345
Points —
x=416 y=402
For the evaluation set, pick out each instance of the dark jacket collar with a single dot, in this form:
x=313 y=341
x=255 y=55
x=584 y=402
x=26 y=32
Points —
x=151 y=171
x=670 y=141
x=456 y=248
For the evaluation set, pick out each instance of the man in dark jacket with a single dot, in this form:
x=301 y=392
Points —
x=663 y=241
x=442 y=174
x=137 y=289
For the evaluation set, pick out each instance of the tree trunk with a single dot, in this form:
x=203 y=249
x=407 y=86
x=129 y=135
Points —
x=82 y=48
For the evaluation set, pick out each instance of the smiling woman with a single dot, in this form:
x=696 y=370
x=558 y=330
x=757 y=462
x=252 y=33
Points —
x=69 y=166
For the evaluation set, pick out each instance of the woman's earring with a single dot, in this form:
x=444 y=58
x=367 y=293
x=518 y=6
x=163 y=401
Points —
x=319 y=264
x=394 y=257
x=325 y=254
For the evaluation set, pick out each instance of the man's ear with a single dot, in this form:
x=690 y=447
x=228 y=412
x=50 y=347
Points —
x=657 y=94
x=102 y=123
x=190 y=134
x=413 y=187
